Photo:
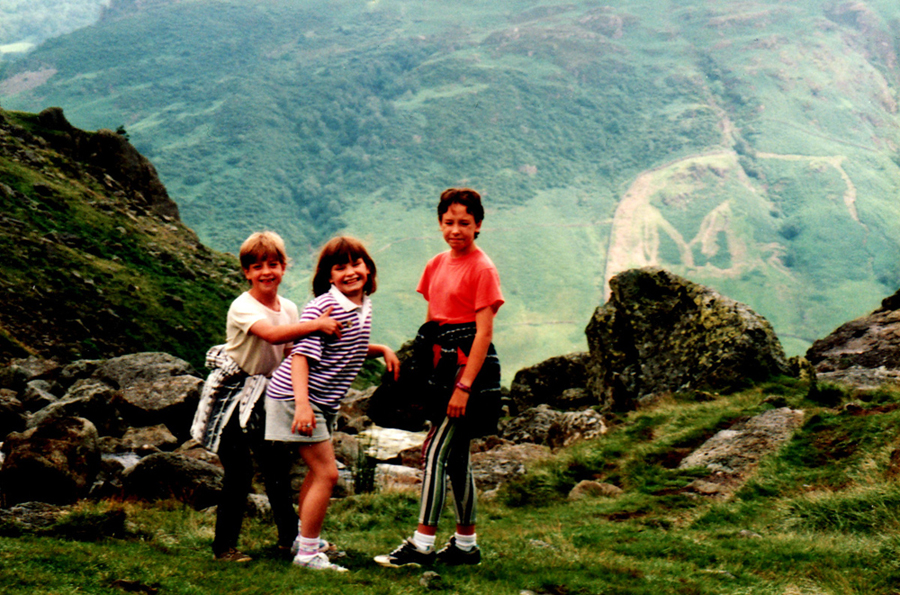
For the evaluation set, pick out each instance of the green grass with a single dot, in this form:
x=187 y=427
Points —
x=815 y=518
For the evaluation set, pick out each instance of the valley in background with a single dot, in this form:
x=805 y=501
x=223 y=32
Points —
x=751 y=147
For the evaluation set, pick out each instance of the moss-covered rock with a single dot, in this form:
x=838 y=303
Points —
x=660 y=333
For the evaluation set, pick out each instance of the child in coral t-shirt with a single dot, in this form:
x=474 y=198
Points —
x=462 y=287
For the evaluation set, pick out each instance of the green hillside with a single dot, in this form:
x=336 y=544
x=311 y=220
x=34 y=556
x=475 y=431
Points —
x=751 y=146
x=96 y=262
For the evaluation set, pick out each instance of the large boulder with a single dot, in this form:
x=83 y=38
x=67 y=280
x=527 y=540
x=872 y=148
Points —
x=164 y=476
x=88 y=398
x=127 y=370
x=559 y=382
x=55 y=462
x=660 y=333
x=171 y=400
x=864 y=352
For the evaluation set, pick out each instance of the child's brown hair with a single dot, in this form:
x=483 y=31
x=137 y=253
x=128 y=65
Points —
x=262 y=245
x=340 y=250
x=462 y=196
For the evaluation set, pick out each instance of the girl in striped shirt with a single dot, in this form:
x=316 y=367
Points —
x=305 y=391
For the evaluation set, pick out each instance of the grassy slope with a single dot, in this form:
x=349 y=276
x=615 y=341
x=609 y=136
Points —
x=818 y=517
x=353 y=120
x=85 y=274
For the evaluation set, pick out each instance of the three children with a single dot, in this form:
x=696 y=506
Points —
x=462 y=288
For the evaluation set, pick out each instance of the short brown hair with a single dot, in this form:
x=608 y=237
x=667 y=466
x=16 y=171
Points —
x=462 y=196
x=260 y=246
x=340 y=250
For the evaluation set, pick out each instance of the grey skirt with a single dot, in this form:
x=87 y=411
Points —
x=280 y=417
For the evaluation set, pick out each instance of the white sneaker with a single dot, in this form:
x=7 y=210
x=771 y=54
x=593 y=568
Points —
x=325 y=547
x=317 y=561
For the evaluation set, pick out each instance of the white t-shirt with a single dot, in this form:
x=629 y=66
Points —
x=253 y=354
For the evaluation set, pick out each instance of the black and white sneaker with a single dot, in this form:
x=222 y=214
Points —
x=452 y=555
x=407 y=555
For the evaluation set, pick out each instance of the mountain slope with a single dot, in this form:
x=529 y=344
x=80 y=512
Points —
x=748 y=146
x=96 y=260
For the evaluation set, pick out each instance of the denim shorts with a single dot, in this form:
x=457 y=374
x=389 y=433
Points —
x=280 y=417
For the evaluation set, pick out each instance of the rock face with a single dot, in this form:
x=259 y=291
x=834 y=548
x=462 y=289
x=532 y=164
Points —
x=865 y=352
x=659 y=333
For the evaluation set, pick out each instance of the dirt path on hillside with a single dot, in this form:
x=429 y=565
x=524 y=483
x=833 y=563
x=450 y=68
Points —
x=635 y=233
x=634 y=238
x=837 y=162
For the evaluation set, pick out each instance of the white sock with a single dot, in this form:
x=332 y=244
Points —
x=465 y=542
x=425 y=543
x=308 y=545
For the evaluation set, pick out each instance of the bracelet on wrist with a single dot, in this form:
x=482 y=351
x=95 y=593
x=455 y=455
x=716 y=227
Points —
x=464 y=388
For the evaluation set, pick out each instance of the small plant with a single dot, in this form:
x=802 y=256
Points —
x=364 y=469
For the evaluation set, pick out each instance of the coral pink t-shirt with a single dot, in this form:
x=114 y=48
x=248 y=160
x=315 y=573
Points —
x=457 y=288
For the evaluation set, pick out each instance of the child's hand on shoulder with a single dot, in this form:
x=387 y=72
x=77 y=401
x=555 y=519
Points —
x=328 y=325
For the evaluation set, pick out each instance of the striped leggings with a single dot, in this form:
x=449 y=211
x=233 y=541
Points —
x=447 y=455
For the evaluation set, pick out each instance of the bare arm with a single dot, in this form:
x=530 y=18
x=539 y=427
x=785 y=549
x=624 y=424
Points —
x=304 y=419
x=391 y=362
x=484 y=334
x=287 y=333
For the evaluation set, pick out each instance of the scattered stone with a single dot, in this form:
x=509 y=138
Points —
x=431 y=580
x=543 y=425
x=13 y=415
x=77 y=370
x=659 y=333
x=749 y=534
x=592 y=489
x=397 y=478
x=386 y=444
x=149 y=439
x=38 y=394
x=496 y=466
x=90 y=399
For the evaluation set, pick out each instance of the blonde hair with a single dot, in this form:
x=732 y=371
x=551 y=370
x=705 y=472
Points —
x=261 y=246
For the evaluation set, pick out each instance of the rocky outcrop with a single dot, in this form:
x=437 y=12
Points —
x=865 y=352
x=559 y=382
x=124 y=409
x=659 y=333
x=113 y=270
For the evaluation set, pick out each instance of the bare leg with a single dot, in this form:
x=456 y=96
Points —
x=317 y=487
